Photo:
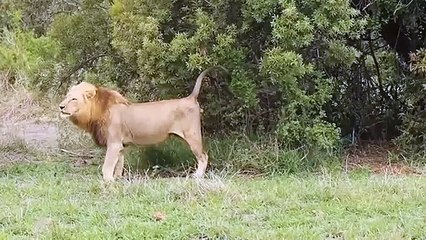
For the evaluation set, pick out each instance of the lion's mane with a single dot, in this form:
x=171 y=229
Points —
x=94 y=118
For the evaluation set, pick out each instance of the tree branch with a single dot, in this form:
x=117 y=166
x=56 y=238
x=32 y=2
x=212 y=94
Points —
x=376 y=65
x=78 y=67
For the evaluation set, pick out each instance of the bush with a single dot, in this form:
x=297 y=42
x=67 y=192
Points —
x=304 y=72
x=25 y=58
x=413 y=137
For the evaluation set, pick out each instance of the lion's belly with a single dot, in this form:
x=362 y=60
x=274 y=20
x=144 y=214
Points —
x=148 y=139
x=146 y=135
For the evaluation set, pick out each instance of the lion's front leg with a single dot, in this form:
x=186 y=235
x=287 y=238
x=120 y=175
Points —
x=118 y=172
x=112 y=157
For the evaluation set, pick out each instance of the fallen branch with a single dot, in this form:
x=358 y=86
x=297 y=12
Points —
x=76 y=154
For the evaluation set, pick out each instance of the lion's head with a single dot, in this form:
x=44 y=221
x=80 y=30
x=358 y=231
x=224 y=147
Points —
x=77 y=101
x=86 y=105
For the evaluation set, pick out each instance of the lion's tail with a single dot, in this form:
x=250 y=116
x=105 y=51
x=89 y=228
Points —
x=200 y=78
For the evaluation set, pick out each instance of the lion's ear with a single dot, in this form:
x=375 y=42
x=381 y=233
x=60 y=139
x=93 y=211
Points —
x=90 y=93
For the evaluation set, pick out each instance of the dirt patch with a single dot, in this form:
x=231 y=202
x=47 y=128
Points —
x=25 y=120
x=23 y=142
x=379 y=157
x=41 y=136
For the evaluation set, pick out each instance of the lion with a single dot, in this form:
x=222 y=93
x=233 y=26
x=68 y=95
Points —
x=114 y=122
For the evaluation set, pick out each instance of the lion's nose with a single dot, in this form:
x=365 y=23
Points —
x=61 y=107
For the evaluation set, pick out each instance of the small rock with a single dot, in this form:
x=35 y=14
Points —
x=159 y=216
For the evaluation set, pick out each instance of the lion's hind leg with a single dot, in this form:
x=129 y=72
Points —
x=194 y=141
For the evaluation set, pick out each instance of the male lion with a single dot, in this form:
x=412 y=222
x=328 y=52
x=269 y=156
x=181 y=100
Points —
x=115 y=122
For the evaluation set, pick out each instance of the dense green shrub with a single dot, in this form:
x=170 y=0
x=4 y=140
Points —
x=413 y=138
x=169 y=46
x=24 y=57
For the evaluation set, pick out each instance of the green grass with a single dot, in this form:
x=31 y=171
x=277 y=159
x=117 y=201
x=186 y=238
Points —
x=53 y=200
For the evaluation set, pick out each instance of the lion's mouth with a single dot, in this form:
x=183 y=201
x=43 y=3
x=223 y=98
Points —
x=65 y=114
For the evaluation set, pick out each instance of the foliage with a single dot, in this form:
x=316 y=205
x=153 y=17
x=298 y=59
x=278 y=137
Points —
x=24 y=57
x=413 y=138
x=206 y=40
x=305 y=72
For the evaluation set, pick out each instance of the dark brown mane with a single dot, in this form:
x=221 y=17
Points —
x=95 y=120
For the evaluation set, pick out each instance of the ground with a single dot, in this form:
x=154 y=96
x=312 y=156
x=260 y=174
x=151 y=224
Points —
x=54 y=200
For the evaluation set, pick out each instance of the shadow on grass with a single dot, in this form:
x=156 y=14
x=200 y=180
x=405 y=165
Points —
x=242 y=155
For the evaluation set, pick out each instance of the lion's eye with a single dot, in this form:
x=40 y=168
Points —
x=74 y=99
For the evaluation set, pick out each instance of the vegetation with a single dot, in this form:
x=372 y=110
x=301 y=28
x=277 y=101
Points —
x=304 y=71
x=304 y=79
x=307 y=74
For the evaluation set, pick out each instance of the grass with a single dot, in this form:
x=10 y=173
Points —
x=53 y=200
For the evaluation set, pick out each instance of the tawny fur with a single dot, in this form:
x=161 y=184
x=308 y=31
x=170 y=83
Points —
x=115 y=122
